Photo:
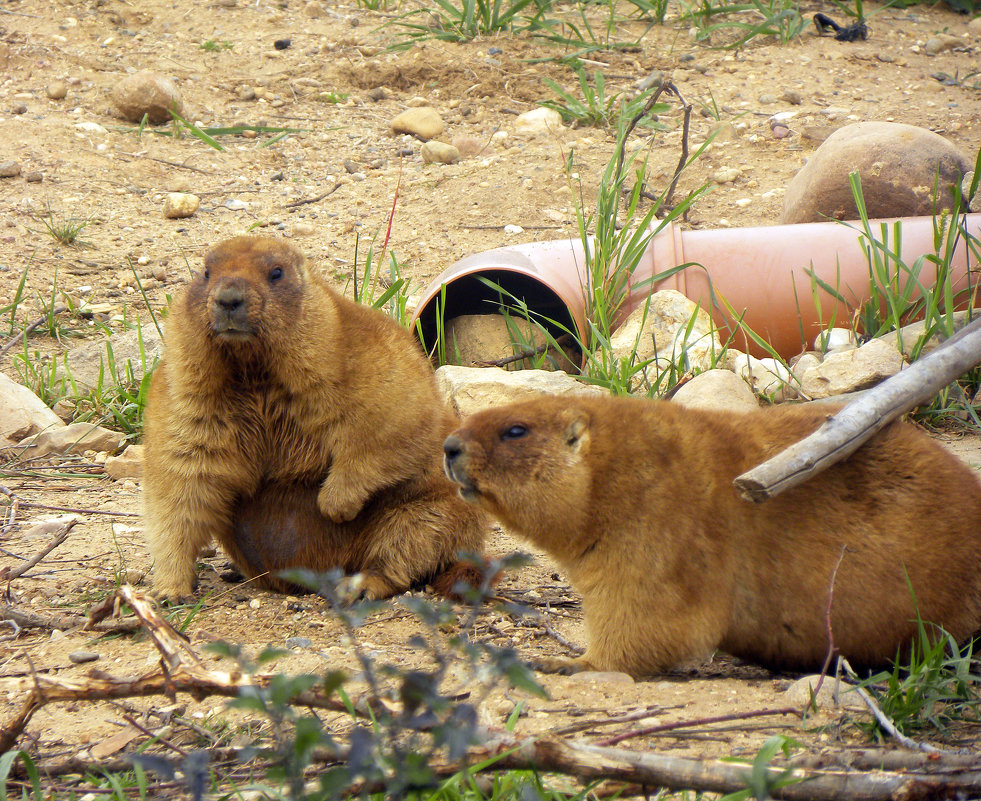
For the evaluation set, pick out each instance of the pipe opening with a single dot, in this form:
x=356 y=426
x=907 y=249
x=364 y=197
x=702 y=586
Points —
x=468 y=294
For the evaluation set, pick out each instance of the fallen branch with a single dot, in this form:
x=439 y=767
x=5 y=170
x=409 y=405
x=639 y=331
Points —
x=844 y=433
x=9 y=574
x=593 y=763
x=22 y=336
x=33 y=620
x=304 y=201
x=181 y=670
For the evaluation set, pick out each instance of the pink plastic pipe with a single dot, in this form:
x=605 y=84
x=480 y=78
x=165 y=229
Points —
x=755 y=269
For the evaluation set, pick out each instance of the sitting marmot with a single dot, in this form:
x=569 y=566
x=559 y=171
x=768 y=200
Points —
x=297 y=428
x=635 y=500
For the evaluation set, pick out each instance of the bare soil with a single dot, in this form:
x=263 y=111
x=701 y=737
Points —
x=116 y=180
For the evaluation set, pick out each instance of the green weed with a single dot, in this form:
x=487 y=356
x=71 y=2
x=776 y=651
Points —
x=594 y=107
x=64 y=231
x=763 y=779
x=213 y=46
x=580 y=34
x=465 y=20
x=937 y=685
x=332 y=97
x=746 y=21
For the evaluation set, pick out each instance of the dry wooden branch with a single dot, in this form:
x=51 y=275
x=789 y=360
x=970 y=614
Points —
x=844 y=432
x=22 y=336
x=593 y=763
x=9 y=574
x=33 y=620
x=181 y=670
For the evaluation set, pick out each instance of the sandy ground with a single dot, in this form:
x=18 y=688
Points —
x=115 y=182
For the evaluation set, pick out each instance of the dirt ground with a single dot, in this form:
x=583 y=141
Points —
x=115 y=180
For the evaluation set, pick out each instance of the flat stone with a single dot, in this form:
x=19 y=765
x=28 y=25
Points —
x=22 y=413
x=74 y=438
x=434 y=152
x=538 y=122
x=129 y=464
x=81 y=657
x=716 y=389
x=852 y=370
x=422 y=122
x=470 y=389
x=9 y=169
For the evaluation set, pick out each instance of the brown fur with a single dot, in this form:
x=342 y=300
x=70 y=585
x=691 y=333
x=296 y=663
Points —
x=298 y=429
x=635 y=500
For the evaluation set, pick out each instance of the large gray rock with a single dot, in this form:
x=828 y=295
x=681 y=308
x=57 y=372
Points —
x=22 y=413
x=717 y=389
x=470 y=389
x=147 y=93
x=851 y=370
x=898 y=165
x=86 y=361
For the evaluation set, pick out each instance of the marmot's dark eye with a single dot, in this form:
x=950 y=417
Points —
x=275 y=273
x=514 y=432
x=207 y=275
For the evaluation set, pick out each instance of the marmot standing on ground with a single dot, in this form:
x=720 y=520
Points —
x=297 y=428
x=634 y=499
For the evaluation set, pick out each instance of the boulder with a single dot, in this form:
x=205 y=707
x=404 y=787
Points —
x=898 y=165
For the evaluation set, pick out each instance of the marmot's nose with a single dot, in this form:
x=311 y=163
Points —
x=452 y=448
x=229 y=297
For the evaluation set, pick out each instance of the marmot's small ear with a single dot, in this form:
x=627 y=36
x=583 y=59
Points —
x=577 y=432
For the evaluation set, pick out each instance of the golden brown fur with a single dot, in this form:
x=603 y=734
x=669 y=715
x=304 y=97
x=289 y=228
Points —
x=635 y=500
x=298 y=429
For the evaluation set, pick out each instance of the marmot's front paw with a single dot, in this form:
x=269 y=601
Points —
x=558 y=664
x=339 y=506
x=173 y=596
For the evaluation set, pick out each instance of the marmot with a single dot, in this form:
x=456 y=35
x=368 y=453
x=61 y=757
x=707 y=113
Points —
x=634 y=499
x=297 y=428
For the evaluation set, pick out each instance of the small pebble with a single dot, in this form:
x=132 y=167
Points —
x=350 y=166
x=792 y=97
x=298 y=642
x=19 y=108
x=178 y=205
x=434 y=152
x=9 y=169
x=379 y=93
x=282 y=44
x=33 y=177
x=57 y=90
x=302 y=229
x=246 y=93
x=80 y=657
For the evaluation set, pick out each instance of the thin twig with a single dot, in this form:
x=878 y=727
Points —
x=687 y=724
x=9 y=574
x=304 y=201
x=832 y=648
x=30 y=329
